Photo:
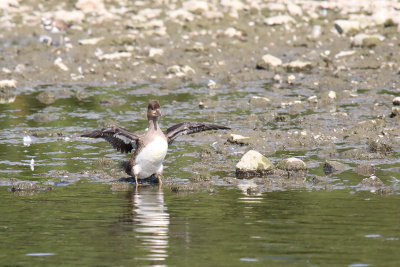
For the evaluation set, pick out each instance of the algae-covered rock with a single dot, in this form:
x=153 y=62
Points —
x=253 y=164
x=291 y=167
x=331 y=166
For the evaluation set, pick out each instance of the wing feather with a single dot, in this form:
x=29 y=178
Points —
x=118 y=137
x=190 y=127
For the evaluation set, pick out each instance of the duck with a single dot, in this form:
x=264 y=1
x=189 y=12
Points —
x=149 y=149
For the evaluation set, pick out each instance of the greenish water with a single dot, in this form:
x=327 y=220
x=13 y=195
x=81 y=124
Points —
x=85 y=221
x=88 y=225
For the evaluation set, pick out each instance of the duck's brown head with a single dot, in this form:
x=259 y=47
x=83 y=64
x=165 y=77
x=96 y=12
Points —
x=153 y=110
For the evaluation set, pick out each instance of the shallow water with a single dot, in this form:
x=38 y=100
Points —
x=78 y=216
x=87 y=224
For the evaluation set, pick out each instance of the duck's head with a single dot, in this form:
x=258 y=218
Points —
x=153 y=110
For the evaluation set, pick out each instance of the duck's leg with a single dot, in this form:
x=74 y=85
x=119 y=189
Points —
x=159 y=177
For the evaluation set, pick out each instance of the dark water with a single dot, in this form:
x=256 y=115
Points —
x=82 y=221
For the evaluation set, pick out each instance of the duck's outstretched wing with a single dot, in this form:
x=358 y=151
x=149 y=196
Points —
x=119 y=138
x=190 y=127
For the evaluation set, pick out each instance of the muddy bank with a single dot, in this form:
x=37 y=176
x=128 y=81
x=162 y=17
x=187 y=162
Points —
x=313 y=80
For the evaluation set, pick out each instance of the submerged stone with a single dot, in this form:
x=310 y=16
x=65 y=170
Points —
x=253 y=164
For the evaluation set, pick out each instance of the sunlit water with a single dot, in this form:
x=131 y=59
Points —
x=83 y=222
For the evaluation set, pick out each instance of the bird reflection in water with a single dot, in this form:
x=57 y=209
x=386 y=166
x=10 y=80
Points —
x=152 y=220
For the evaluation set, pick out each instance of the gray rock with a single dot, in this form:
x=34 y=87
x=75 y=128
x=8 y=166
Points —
x=292 y=164
x=253 y=164
x=371 y=181
x=367 y=169
x=331 y=166
x=379 y=146
x=268 y=62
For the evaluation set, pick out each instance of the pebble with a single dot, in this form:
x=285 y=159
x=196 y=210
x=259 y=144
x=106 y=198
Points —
x=396 y=101
x=180 y=71
x=395 y=112
x=279 y=20
x=58 y=63
x=238 y=139
x=345 y=53
x=294 y=9
x=346 y=26
x=268 y=62
x=196 y=6
x=367 y=40
x=253 y=164
x=153 y=52
x=90 y=41
x=113 y=56
x=298 y=65
x=211 y=84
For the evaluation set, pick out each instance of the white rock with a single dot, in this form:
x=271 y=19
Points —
x=332 y=95
x=149 y=13
x=116 y=55
x=345 y=53
x=363 y=39
x=90 y=6
x=75 y=16
x=90 y=41
x=8 y=83
x=298 y=65
x=396 y=101
x=233 y=4
x=58 y=62
x=294 y=10
x=253 y=161
x=195 y=6
x=345 y=26
x=180 y=14
x=268 y=62
x=278 y=20
x=232 y=32
x=212 y=84
x=156 y=52
x=238 y=139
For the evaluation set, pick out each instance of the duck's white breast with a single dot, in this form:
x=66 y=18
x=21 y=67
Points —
x=150 y=159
